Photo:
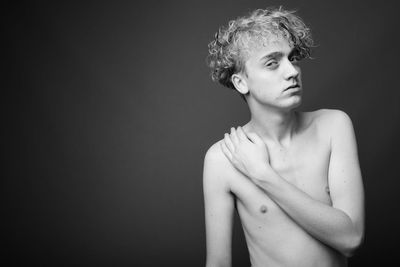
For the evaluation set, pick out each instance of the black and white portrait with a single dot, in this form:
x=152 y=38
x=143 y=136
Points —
x=110 y=111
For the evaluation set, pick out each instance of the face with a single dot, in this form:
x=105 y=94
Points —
x=272 y=76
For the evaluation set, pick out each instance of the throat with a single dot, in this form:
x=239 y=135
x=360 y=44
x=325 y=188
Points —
x=278 y=130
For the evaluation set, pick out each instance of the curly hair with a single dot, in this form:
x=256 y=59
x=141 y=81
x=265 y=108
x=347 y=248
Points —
x=232 y=44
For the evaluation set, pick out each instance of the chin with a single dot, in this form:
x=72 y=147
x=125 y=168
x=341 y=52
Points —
x=294 y=102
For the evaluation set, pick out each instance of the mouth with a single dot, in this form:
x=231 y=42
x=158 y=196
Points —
x=294 y=86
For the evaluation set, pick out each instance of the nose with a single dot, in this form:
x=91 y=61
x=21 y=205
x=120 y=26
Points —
x=291 y=71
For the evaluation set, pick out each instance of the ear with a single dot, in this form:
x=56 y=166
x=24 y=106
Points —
x=240 y=83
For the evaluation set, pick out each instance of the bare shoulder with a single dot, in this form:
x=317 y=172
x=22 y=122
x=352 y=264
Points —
x=328 y=121
x=217 y=168
x=214 y=153
x=216 y=159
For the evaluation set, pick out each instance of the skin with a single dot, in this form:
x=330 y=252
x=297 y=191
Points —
x=294 y=177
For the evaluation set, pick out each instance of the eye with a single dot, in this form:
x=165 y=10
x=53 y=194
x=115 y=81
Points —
x=271 y=63
x=294 y=58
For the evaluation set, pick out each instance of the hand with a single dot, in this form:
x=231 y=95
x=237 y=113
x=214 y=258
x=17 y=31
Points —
x=247 y=152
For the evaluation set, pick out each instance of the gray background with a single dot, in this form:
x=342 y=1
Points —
x=108 y=110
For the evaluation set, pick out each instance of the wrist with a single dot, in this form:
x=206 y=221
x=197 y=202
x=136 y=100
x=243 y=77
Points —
x=262 y=173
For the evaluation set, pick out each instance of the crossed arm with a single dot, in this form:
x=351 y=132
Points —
x=340 y=226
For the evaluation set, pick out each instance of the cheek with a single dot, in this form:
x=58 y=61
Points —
x=263 y=80
x=270 y=83
x=264 y=91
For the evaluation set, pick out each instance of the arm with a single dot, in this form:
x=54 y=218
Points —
x=219 y=207
x=341 y=225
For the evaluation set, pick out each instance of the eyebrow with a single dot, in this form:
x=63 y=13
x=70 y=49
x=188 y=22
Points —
x=276 y=55
x=272 y=55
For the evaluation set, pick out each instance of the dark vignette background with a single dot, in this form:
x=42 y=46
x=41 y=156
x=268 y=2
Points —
x=108 y=110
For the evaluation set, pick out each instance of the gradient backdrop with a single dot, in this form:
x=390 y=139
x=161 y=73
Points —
x=108 y=110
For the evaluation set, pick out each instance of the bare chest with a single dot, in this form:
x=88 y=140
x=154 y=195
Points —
x=305 y=165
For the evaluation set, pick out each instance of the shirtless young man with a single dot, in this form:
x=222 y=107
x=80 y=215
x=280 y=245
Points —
x=294 y=176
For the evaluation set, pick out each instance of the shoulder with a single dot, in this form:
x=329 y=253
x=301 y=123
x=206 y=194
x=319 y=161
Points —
x=326 y=115
x=333 y=125
x=214 y=153
x=216 y=159
x=330 y=120
x=217 y=168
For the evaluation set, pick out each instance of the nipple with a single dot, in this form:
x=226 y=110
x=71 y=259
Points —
x=263 y=209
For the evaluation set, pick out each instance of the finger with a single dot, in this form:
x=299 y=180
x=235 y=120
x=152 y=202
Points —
x=228 y=143
x=234 y=136
x=226 y=151
x=255 y=138
x=241 y=135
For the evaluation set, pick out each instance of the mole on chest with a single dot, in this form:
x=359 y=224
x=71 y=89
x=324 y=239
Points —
x=263 y=209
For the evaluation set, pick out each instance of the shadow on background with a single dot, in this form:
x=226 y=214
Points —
x=108 y=111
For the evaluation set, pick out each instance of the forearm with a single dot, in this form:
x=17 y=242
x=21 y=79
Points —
x=216 y=263
x=325 y=223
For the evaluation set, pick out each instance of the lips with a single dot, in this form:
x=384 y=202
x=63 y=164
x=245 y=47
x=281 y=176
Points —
x=296 y=85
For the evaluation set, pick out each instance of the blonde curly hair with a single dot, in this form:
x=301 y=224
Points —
x=232 y=44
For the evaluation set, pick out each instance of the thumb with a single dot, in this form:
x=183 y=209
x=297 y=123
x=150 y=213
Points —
x=255 y=138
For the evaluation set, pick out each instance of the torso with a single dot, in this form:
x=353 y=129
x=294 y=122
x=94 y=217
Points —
x=273 y=238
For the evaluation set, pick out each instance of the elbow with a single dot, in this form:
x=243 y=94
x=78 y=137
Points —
x=353 y=243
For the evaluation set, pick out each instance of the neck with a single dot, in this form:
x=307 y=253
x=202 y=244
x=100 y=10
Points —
x=273 y=125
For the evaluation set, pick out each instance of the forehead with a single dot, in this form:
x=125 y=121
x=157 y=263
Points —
x=271 y=45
